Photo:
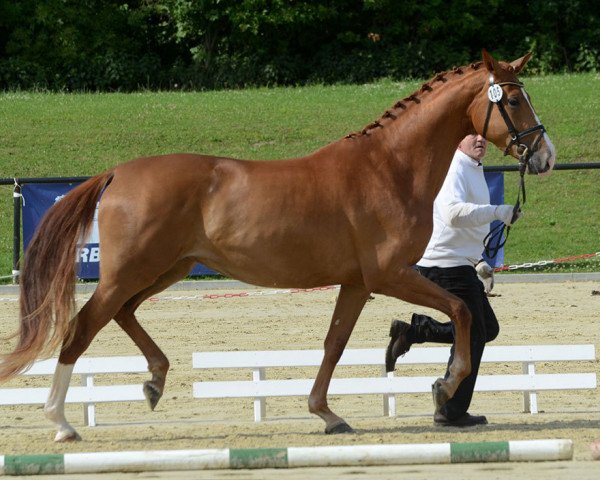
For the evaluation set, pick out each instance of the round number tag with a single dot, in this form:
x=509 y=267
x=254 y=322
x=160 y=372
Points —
x=495 y=93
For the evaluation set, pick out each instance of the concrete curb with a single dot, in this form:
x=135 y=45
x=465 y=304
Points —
x=547 y=277
x=234 y=284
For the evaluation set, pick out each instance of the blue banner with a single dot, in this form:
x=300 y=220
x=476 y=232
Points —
x=39 y=197
x=495 y=182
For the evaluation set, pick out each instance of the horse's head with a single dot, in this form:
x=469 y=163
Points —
x=503 y=113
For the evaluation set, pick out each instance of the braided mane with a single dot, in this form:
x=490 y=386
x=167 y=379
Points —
x=415 y=98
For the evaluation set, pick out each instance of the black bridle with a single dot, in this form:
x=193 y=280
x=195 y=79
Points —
x=498 y=235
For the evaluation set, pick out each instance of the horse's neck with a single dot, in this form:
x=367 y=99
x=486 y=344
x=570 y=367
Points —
x=425 y=137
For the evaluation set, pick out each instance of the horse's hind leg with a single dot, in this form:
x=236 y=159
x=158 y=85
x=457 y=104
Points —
x=414 y=288
x=158 y=364
x=350 y=303
x=94 y=315
x=55 y=404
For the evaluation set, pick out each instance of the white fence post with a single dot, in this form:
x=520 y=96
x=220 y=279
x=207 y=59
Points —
x=259 y=402
x=89 y=409
x=389 y=400
x=529 y=398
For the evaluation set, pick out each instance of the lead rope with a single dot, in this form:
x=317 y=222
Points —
x=497 y=237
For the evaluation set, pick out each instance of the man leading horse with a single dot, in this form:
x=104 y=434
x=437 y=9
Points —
x=462 y=214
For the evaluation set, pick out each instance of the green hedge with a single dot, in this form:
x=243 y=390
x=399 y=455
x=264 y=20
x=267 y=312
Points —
x=79 y=45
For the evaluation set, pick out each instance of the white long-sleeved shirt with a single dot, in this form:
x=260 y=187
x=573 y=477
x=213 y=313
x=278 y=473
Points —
x=461 y=216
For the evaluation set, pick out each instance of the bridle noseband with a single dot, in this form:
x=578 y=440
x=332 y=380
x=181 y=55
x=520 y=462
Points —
x=495 y=94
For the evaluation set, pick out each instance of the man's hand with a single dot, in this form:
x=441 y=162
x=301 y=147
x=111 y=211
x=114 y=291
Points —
x=486 y=275
x=506 y=214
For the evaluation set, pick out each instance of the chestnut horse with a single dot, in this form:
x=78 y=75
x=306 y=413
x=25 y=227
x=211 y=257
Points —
x=357 y=212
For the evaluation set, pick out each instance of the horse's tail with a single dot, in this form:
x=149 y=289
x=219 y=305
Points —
x=47 y=280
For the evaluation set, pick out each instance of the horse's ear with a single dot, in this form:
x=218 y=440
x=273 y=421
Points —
x=490 y=62
x=520 y=63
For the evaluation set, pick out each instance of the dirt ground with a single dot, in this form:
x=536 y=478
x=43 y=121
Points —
x=183 y=322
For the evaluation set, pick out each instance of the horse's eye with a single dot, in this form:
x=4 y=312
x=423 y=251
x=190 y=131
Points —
x=513 y=101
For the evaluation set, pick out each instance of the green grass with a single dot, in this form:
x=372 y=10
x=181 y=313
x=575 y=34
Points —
x=44 y=135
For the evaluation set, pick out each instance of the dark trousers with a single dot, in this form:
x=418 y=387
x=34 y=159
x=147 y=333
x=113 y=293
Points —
x=463 y=282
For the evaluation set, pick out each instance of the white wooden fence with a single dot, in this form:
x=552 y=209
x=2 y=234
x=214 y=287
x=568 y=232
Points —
x=529 y=382
x=88 y=394
x=259 y=388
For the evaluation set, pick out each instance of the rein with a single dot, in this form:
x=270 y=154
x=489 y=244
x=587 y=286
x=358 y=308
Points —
x=498 y=235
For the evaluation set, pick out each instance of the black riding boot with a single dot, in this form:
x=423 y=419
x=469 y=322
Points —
x=421 y=329
x=426 y=329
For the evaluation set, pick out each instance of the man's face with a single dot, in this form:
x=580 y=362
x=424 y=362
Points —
x=474 y=146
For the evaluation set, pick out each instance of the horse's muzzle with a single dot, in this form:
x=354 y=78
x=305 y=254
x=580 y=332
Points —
x=542 y=160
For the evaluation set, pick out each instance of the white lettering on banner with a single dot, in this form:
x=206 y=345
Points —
x=87 y=255
x=94 y=254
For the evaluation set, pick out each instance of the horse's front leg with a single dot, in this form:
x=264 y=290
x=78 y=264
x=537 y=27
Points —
x=410 y=286
x=350 y=303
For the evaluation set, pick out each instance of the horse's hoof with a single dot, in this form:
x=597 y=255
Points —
x=67 y=436
x=340 y=427
x=152 y=394
x=439 y=391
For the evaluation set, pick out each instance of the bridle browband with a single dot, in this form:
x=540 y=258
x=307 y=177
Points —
x=495 y=94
